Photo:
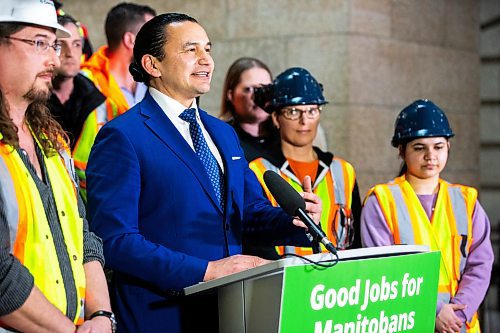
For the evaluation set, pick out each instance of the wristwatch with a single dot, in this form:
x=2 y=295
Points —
x=110 y=315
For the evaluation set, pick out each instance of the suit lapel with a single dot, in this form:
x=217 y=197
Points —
x=162 y=127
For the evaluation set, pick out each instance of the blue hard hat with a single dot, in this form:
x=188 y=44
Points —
x=295 y=86
x=420 y=119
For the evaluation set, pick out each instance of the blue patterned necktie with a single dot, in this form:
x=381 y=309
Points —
x=207 y=158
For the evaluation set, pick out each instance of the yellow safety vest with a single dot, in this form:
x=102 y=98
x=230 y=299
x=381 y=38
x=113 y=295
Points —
x=449 y=230
x=334 y=185
x=81 y=151
x=31 y=239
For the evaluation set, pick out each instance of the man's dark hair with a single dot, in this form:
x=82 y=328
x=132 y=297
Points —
x=7 y=29
x=151 y=40
x=66 y=19
x=122 y=18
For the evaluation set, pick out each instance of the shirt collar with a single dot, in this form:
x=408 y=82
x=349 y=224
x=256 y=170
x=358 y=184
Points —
x=169 y=105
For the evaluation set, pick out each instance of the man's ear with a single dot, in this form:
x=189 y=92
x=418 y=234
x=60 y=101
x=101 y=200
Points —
x=129 y=40
x=148 y=62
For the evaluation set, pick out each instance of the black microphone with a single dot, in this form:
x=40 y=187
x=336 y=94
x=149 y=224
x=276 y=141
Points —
x=293 y=204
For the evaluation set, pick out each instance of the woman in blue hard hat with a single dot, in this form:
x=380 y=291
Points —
x=419 y=207
x=295 y=102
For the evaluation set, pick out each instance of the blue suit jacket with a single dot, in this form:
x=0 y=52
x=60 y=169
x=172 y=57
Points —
x=152 y=203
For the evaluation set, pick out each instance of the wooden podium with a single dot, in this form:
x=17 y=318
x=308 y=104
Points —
x=252 y=301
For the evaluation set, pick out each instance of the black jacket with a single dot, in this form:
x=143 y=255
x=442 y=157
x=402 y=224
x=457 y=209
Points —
x=82 y=101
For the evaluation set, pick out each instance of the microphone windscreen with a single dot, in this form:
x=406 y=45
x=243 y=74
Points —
x=286 y=196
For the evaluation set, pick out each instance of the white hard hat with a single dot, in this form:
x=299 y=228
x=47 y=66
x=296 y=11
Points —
x=38 y=12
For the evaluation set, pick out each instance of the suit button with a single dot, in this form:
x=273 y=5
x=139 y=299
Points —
x=175 y=293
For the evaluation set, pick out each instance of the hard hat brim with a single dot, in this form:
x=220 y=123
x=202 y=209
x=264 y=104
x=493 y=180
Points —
x=60 y=30
x=396 y=141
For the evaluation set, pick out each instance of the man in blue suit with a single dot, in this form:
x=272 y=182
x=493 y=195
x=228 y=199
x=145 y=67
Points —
x=167 y=218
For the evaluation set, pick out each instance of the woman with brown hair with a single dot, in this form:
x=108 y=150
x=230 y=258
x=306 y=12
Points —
x=253 y=125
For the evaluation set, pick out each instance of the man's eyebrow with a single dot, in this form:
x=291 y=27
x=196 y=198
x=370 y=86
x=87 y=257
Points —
x=187 y=44
x=40 y=35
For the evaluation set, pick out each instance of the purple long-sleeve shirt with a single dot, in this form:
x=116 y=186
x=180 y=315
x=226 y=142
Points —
x=476 y=277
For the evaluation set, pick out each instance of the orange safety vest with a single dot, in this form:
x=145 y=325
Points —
x=97 y=70
x=448 y=231
x=334 y=185
x=31 y=238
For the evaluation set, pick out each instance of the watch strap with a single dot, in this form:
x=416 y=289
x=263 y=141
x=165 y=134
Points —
x=108 y=314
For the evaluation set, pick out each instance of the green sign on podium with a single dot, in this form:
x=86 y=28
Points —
x=377 y=295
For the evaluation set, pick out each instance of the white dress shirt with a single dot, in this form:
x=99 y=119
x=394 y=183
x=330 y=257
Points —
x=173 y=109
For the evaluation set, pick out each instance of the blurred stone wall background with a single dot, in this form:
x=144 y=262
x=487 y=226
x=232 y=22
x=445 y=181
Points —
x=373 y=57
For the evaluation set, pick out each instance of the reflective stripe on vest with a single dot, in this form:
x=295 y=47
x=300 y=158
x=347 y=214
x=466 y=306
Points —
x=338 y=176
x=10 y=208
x=462 y=223
x=325 y=186
x=405 y=229
x=31 y=238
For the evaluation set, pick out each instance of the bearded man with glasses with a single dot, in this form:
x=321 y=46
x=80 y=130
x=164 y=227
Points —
x=295 y=101
x=51 y=265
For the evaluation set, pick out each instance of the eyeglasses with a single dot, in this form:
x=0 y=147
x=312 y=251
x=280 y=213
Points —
x=294 y=113
x=41 y=46
x=345 y=235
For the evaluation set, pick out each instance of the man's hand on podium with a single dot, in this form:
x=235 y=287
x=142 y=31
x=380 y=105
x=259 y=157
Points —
x=234 y=264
